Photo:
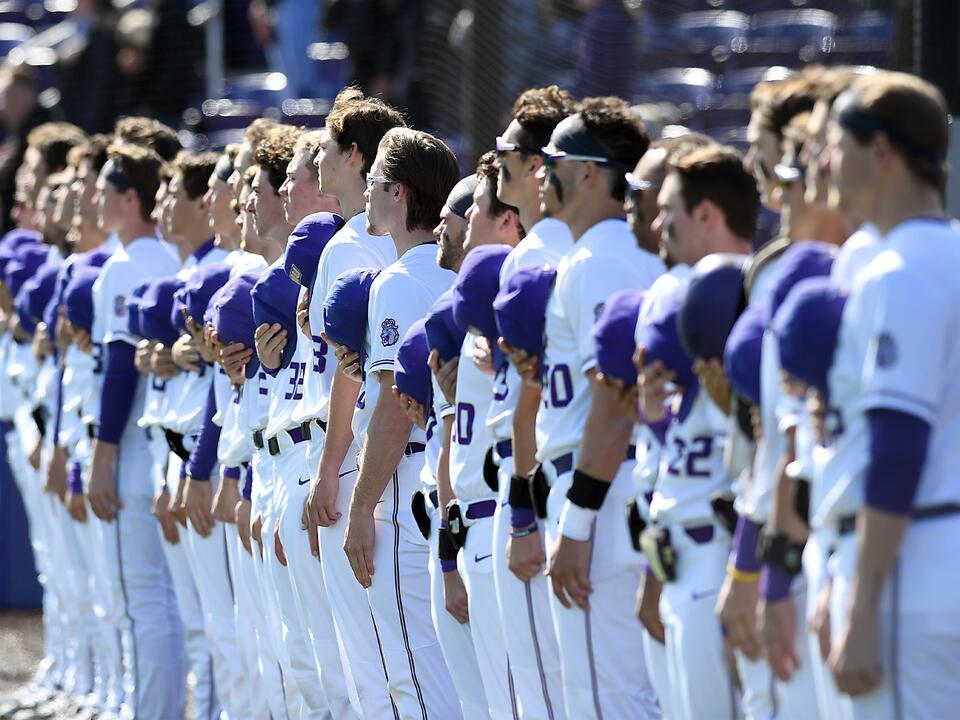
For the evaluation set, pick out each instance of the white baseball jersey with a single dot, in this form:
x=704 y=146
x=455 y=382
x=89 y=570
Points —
x=235 y=445
x=605 y=259
x=898 y=349
x=241 y=261
x=288 y=384
x=441 y=409
x=544 y=244
x=402 y=294
x=350 y=248
x=77 y=378
x=470 y=439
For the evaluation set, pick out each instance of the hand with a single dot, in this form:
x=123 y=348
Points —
x=321 y=502
x=525 y=556
x=196 y=501
x=653 y=382
x=256 y=532
x=777 y=623
x=225 y=500
x=270 y=341
x=483 y=355
x=185 y=353
x=81 y=338
x=446 y=374
x=41 y=342
x=648 y=607
x=162 y=362
x=234 y=359
x=200 y=340
x=569 y=571
x=303 y=316
x=527 y=365
x=143 y=356
x=56 y=480
x=358 y=544
x=627 y=396
x=36 y=455
x=242 y=517
x=455 y=597
x=177 y=507
x=312 y=530
x=820 y=623
x=76 y=506
x=101 y=491
x=347 y=360
x=737 y=610
x=714 y=381
x=414 y=411
x=278 y=547
x=168 y=524
x=818 y=407
x=855 y=659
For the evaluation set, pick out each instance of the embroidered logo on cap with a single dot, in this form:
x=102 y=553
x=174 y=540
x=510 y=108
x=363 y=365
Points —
x=295 y=274
x=389 y=332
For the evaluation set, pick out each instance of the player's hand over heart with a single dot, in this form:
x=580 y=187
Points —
x=446 y=374
x=186 y=354
x=527 y=365
x=483 y=355
x=303 y=316
x=655 y=384
x=234 y=358
x=358 y=544
x=270 y=341
x=414 y=411
x=347 y=360
x=568 y=568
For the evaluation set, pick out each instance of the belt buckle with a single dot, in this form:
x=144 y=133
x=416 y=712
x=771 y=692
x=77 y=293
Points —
x=273 y=446
x=258 y=439
x=305 y=429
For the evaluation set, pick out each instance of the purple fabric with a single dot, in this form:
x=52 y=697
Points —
x=231 y=473
x=58 y=407
x=203 y=457
x=75 y=480
x=247 y=491
x=774 y=583
x=745 y=545
x=659 y=428
x=448 y=565
x=522 y=517
x=120 y=379
x=898 y=451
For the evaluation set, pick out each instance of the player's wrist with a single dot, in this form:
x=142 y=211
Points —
x=576 y=522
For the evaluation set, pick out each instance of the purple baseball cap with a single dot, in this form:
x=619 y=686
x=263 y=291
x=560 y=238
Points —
x=713 y=299
x=411 y=374
x=275 y=298
x=155 y=310
x=29 y=258
x=476 y=287
x=305 y=244
x=11 y=242
x=521 y=307
x=660 y=338
x=741 y=358
x=133 y=309
x=345 y=308
x=807 y=326
x=443 y=333
x=614 y=335
x=201 y=286
x=233 y=314
x=800 y=261
x=78 y=298
x=36 y=293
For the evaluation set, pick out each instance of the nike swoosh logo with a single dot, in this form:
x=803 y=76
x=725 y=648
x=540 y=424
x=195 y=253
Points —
x=478 y=558
x=701 y=595
x=303 y=482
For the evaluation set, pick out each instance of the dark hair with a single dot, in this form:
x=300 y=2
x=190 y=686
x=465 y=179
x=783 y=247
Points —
x=487 y=170
x=620 y=130
x=94 y=151
x=196 y=169
x=149 y=133
x=538 y=111
x=53 y=140
x=716 y=173
x=141 y=168
x=275 y=152
x=787 y=100
x=426 y=167
x=356 y=118
x=678 y=146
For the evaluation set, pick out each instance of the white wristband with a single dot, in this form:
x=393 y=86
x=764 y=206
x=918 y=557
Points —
x=576 y=522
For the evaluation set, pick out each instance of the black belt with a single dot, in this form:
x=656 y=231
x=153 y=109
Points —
x=564 y=463
x=414 y=448
x=91 y=430
x=297 y=435
x=258 y=439
x=848 y=523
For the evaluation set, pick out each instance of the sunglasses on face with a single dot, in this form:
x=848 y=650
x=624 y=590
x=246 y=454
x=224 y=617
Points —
x=377 y=180
x=504 y=147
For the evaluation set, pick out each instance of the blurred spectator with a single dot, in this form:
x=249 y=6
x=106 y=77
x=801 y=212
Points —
x=285 y=29
x=85 y=72
x=607 y=49
x=21 y=112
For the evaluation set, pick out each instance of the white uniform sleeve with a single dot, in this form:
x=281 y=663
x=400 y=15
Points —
x=117 y=290
x=905 y=344
x=393 y=309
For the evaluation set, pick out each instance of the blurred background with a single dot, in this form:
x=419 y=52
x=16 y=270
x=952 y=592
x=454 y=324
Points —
x=454 y=66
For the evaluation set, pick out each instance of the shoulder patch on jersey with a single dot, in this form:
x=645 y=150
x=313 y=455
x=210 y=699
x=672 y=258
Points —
x=389 y=332
x=886 y=350
x=119 y=306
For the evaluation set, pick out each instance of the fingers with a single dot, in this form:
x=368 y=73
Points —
x=560 y=591
x=314 y=537
x=201 y=520
x=278 y=548
x=329 y=515
x=358 y=565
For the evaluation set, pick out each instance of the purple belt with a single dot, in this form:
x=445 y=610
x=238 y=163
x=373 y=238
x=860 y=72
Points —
x=481 y=509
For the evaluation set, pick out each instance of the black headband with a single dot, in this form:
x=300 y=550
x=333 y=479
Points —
x=113 y=174
x=461 y=197
x=572 y=137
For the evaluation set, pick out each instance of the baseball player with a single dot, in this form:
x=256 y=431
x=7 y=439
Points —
x=354 y=128
x=407 y=185
x=583 y=186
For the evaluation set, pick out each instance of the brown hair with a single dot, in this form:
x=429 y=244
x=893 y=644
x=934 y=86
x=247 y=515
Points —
x=426 y=167
x=677 y=147
x=196 y=169
x=231 y=151
x=788 y=99
x=257 y=131
x=149 y=133
x=916 y=110
x=93 y=150
x=620 y=130
x=487 y=170
x=356 y=118
x=53 y=140
x=309 y=144
x=538 y=111
x=275 y=152
x=716 y=173
x=141 y=167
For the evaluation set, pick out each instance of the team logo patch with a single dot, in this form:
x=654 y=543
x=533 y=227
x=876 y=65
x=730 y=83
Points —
x=886 y=350
x=119 y=306
x=295 y=274
x=597 y=311
x=389 y=332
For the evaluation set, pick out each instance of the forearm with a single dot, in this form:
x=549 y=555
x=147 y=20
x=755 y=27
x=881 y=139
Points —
x=606 y=435
x=339 y=435
x=444 y=487
x=525 y=430
x=879 y=536
x=387 y=437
